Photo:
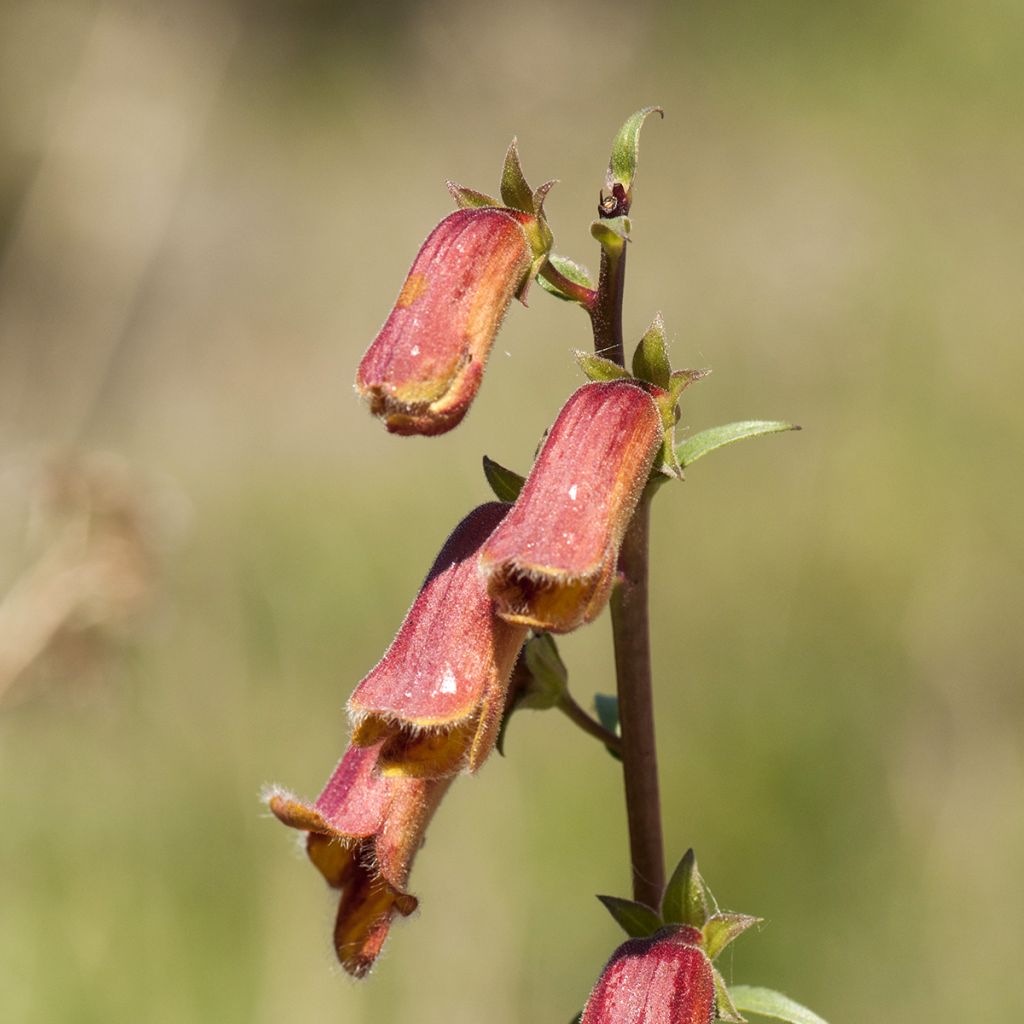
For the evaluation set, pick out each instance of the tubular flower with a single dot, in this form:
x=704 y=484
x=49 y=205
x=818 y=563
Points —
x=434 y=701
x=551 y=563
x=424 y=367
x=362 y=834
x=665 y=979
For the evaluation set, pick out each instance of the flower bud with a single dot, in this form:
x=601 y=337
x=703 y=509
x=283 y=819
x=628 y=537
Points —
x=362 y=834
x=424 y=367
x=550 y=565
x=665 y=979
x=436 y=698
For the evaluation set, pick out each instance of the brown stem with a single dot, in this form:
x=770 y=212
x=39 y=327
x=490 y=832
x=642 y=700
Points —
x=631 y=631
x=606 y=314
x=580 y=293
x=573 y=711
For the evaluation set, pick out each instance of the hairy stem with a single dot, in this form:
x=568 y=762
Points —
x=580 y=293
x=631 y=631
x=578 y=716
x=606 y=314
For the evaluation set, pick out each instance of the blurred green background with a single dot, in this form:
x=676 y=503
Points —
x=206 y=211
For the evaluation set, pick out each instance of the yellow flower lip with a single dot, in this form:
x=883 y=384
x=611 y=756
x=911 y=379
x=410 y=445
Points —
x=551 y=563
x=425 y=366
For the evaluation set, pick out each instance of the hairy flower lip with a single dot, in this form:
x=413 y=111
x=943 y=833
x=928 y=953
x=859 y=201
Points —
x=425 y=366
x=550 y=565
x=434 y=701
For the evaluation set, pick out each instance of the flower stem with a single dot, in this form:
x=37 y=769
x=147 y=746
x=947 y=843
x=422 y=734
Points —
x=631 y=632
x=630 y=615
x=586 y=297
x=579 y=717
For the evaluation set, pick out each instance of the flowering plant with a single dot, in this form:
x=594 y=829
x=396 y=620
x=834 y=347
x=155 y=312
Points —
x=559 y=545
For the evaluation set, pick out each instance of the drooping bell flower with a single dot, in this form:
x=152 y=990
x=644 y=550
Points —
x=362 y=834
x=434 y=701
x=664 y=979
x=551 y=563
x=424 y=367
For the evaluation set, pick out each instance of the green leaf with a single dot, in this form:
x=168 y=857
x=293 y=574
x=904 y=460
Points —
x=687 y=899
x=469 y=198
x=606 y=706
x=637 y=919
x=725 y=1009
x=599 y=368
x=568 y=268
x=650 y=360
x=769 y=1003
x=721 y=929
x=514 y=190
x=505 y=484
x=698 y=445
x=612 y=233
x=626 y=150
x=549 y=678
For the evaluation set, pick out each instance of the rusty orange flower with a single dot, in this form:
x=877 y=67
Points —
x=550 y=565
x=424 y=368
x=362 y=834
x=436 y=698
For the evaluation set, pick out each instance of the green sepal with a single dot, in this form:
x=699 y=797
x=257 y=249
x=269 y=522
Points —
x=680 y=380
x=721 y=929
x=504 y=482
x=469 y=198
x=540 y=193
x=626 y=150
x=515 y=192
x=687 y=899
x=574 y=271
x=637 y=920
x=548 y=676
x=725 y=1008
x=606 y=706
x=577 y=1018
x=650 y=360
x=698 y=445
x=612 y=232
x=598 y=368
x=767 y=1002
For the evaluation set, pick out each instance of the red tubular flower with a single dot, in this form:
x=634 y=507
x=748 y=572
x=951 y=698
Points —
x=551 y=563
x=665 y=979
x=424 y=367
x=362 y=834
x=436 y=698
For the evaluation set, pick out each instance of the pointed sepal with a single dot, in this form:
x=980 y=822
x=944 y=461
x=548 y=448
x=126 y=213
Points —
x=687 y=898
x=698 y=445
x=725 y=1008
x=540 y=193
x=505 y=483
x=549 y=678
x=468 y=198
x=599 y=368
x=650 y=360
x=637 y=920
x=626 y=150
x=766 y=1002
x=515 y=192
x=721 y=929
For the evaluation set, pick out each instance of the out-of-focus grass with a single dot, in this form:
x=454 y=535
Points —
x=830 y=216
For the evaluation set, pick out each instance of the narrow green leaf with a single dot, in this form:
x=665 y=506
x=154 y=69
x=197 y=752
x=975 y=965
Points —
x=769 y=1003
x=574 y=271
x=725 y=1009
x=637 y=919
x=469 y=198
x=626 y=150
x=599 y=368
x=612 y=233
x=721 y=929
x=514 y=190
x=505 y=483
x=698 y=445
x=650 y=360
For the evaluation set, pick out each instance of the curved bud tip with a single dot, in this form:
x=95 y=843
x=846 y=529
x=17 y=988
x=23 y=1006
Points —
x=666 y=979
x=550 y=564
x=424 y=368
